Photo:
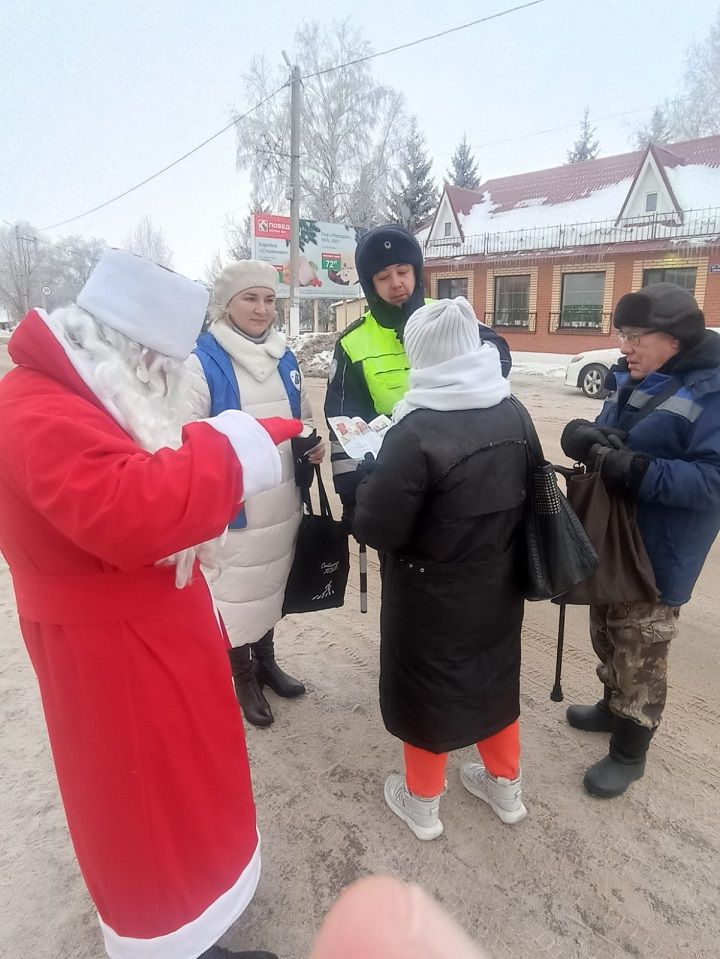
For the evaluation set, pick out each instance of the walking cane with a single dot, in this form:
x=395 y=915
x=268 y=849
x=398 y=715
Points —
x=557 y=694
x=363 y=577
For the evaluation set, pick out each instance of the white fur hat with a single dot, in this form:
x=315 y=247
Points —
x=146 y=302
x=440 y=331
x=243 y=275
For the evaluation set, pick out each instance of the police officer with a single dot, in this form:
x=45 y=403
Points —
x=370 y=371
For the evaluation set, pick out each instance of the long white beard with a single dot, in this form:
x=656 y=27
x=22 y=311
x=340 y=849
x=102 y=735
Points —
x=146 y=393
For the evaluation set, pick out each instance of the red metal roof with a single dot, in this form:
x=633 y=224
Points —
x=573 y=181
x=462 y=200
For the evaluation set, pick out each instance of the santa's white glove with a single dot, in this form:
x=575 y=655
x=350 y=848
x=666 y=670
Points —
x=255 y=450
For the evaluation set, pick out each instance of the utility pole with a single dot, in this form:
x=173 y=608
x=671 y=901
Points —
x=294 y=195
x=23 y=269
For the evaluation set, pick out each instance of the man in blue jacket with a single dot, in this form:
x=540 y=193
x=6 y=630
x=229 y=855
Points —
x=662 y=424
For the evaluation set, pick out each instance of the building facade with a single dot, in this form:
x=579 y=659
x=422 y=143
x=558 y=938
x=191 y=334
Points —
x=545 y=256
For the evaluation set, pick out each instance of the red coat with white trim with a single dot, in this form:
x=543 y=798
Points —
x=146 y=734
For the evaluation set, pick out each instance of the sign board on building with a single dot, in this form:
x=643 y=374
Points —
x=327 y=256
x=715 y=268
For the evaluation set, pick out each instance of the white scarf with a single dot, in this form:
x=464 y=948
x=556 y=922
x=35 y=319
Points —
x=473 y=381
x=259 y=359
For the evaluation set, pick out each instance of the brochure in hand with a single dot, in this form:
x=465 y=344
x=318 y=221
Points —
x=358 y=437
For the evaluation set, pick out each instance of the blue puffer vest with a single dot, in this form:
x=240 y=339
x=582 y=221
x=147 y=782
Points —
x=225 y=393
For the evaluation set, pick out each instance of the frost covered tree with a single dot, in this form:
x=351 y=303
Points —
x=695 y=112
x=656 y=130
x=24 y=263
x=148 y=240
x=413 y=194
x=70 y=262
x=350 y=130
x=586 y=146
x=463 y=168
x=30 y=263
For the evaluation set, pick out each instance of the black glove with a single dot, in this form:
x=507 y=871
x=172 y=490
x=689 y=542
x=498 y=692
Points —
x=348 y=515
x=304 y=469
x=580 y=435
x=622 y=471
x=367 y=466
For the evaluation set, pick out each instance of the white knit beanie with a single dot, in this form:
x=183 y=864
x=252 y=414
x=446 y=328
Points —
x=440 y=331
x=243 y=275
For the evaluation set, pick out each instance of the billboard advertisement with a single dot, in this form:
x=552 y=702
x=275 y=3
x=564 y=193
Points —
x=327 y=256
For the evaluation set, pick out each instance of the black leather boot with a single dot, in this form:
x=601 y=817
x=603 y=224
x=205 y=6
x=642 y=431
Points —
x=593 y=719
x=268 y=671
x=624 y=763
x=252 y=702
x=218 y=952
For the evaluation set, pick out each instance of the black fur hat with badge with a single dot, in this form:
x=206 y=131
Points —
x=664 y=307
x=385 y=246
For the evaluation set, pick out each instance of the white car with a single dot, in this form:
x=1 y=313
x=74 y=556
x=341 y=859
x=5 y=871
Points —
x=588 y=371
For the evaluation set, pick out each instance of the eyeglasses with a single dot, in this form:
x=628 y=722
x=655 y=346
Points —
x=633 y=338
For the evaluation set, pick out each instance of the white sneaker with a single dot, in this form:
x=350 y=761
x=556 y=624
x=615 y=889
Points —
x=504 y=796
x=421 y=815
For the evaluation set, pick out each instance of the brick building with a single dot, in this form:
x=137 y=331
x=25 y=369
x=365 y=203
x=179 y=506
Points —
x=545 y=256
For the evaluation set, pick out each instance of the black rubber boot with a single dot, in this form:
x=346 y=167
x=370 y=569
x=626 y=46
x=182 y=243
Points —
x=593 y=719
x=624 y=763
x=247 y=689
x=268 y=671
x=218 y=952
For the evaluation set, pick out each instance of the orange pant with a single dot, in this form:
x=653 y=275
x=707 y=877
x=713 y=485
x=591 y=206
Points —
x=425 y=771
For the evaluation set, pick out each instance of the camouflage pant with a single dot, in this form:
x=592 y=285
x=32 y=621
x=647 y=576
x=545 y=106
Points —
x=632 y=642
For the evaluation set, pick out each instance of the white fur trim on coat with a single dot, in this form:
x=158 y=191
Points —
x=196 y=936
x=258 y=455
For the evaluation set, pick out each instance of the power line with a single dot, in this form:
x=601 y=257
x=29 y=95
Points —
x=568 y=126
x=339 y=66
x=56 y=244
x=431 y=36
x=154 y=176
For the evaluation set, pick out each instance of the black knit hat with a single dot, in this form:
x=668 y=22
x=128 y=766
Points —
x=664 y=307
x=385 y=246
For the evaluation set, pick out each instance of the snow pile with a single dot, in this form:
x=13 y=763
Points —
x=541 y=364
x=314 y=352
x=696 y=187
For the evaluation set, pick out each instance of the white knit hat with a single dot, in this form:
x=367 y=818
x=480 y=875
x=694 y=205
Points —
x=148 y=303
x=440 y=331
x=243 y=275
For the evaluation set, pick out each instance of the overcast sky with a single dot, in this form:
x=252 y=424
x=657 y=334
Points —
x=96 y=96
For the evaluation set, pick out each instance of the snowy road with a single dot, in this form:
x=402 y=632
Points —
x=579 y=879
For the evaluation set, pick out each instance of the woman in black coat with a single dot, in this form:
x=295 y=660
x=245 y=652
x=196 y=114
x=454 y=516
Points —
x=444 y=506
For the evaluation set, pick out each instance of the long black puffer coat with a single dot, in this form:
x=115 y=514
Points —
x=444 y=508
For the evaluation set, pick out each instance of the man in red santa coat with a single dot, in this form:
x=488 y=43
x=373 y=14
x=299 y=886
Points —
x=107 y=504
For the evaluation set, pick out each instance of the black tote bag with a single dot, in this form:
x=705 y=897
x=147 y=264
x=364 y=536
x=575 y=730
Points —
x=319 y=573
x=557 y=552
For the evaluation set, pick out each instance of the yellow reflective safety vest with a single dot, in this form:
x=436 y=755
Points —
x=385 y=365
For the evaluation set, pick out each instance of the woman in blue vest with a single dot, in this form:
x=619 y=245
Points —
x=243 y=362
